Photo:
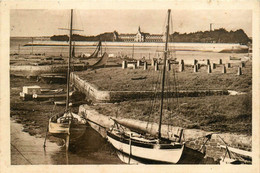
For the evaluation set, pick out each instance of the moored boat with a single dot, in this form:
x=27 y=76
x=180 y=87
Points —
x=53 y=77
x=144 y=150
x=135 y=143
x=68 y=126
x=234 y=58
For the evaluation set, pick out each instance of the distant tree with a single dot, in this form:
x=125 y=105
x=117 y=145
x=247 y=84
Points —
x=59 y=38
x=220 y=35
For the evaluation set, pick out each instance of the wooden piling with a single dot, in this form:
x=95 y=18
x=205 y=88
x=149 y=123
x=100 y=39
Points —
x=153 y=62
x=242 y=64
x=209 y=68
x=220 y=61
x=181 y=67
x=134 y=66
x=156 y=66
x=239 y=71
x=228 y=65
x=138 y=63
x=213 y=66
x=124 y=65
x=195 y=62
x=169 y=67
x=167 y=62
x=198 y=65
x=208 y=62
x=145 y=65
x=195 y=69
x=224 y=69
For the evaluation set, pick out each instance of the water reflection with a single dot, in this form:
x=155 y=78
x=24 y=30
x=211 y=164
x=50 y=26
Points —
x=91 y=148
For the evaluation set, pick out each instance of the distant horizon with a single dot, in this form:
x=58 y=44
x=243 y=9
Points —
x=119 y=33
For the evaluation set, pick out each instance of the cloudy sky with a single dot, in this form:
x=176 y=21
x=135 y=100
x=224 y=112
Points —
x=93 y=22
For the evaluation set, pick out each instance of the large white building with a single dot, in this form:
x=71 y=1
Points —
x=139 y=37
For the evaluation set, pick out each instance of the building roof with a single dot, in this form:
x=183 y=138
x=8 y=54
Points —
x=127 y=34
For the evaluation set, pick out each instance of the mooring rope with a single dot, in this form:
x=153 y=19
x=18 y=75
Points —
x=21 y=154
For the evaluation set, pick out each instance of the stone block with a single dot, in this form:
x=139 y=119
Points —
x=181 y=67
x=198 y=65
x=145 y=65
x=213 y=65
x=138 y=63
x=168 y=67
x=195 y=62
x=156 y=67
x=133 y=66
x=208 y=62
x=239 y=71
x=195 y=70
x=209 y=69
x=153 y=62
x=224 y=69
x=124 y=65
x=228 y=65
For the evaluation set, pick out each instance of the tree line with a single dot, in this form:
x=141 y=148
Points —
x=216 y=36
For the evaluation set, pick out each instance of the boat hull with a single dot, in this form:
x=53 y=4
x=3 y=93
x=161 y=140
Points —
x=145 y=152
x=61 y=130
x=234 y=58
x=54 y=78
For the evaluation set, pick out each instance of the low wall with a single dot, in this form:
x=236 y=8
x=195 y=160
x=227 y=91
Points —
x=193 y=138
x=30 y=70
x=214 y=47
x=113 y=96
x=89 y=89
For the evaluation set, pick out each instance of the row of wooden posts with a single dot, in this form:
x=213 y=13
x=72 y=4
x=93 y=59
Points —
x=196 y=66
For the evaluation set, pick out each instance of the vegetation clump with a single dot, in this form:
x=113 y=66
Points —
x=216 y=36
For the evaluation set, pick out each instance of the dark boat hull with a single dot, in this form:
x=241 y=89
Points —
x=53 y=78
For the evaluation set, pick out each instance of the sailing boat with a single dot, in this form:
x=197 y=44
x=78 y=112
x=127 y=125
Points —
x=133 y=146
x=101 y=62
x=95 y=53
x=68 y=126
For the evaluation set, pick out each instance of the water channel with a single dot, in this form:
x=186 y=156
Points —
x=27 y=149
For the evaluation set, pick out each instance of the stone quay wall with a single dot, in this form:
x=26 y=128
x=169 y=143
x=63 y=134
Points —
x=31 y=70
x=97 y=95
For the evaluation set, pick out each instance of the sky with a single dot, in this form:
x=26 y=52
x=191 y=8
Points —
x=47 y=22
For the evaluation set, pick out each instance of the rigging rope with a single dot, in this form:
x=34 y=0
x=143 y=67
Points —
x=155 y=95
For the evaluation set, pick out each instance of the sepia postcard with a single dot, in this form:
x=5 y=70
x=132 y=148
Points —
x=129 y=86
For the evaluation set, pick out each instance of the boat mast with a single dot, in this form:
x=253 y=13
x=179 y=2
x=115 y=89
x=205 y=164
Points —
x=164 y=69
x=68 y=73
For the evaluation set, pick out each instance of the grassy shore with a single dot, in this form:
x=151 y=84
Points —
x=213 y=113
x=118 y=79
x=230 y=113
